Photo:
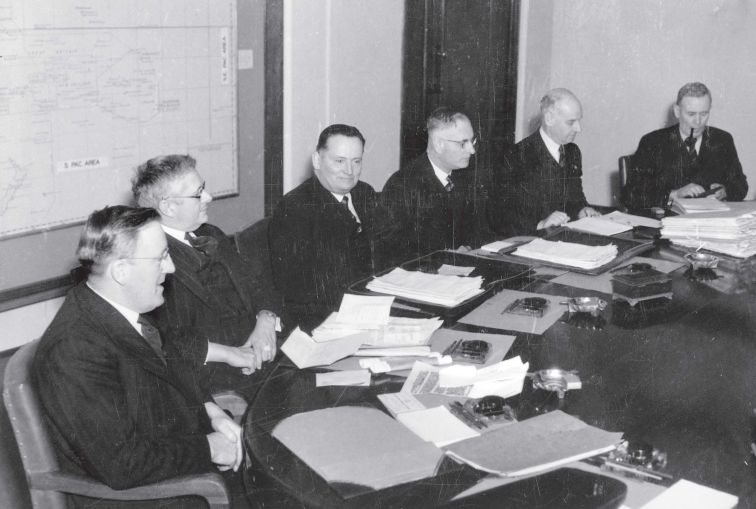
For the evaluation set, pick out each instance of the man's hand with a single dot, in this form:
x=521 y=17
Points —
x=226 y=441
x=263 y=337
x=720 y=193
x=588 y=212
x=556 y=218
x=238 y=357
x=687 y=191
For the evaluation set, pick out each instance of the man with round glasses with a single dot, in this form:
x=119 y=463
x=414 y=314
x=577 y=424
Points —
x=210 y=299
x=118 y=407
x=436 y=202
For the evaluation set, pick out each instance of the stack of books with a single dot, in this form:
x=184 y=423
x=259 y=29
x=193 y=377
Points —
x=442 y=290
x=731 y=232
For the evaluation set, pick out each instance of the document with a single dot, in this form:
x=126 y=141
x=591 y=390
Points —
x=356 y=377
x=361 y=312
x=399 y=331
x=697 y=205
x=304 y=352
x=568 y=253
x=632 y=220
x=598 y=225
x=503 y=379
x=437 y=425
x=447 y=291
x=454 y=270
x=690 y=495
x=492 y=313
x=497 y=246
x=358 y=445
x=400 y=402
x=534 y=445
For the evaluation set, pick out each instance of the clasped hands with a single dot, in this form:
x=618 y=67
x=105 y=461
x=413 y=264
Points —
x=692 y=190
x=226 y=447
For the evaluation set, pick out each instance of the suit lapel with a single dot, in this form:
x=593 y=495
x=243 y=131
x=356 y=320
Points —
x=122 y=332
x=186 y=268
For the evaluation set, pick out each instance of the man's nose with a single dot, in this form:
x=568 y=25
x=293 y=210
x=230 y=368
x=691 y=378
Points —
x=206 y=197
x=578 y=127
x=168 y=266
x=348 y=168
x=470 y=147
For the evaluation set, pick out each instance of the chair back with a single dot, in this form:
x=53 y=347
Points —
x=625 y=167
x=29 y=427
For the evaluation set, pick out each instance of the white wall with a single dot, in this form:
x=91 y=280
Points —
x=342 y=64
x=626 y=59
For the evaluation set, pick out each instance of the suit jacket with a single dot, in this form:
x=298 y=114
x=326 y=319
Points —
x=423 y=217
x=316 y=250
x=539 y=186
x=662 y=163
x=114 y=410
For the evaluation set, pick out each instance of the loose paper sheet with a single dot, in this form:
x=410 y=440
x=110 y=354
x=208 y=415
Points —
x=692 y=496
x=437 y=425
x=491 y=313
x=304 y=352
x=355 y=377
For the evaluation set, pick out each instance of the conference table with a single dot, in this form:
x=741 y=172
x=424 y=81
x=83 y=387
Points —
x=680 y=376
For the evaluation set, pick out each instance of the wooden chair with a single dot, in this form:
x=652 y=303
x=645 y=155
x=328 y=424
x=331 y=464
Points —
x=48 y=484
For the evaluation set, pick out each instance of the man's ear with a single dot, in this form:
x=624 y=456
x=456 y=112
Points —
x=676 y=110
x=548 y=118
x=167 y=207
x=316 y=160
x=118 y=271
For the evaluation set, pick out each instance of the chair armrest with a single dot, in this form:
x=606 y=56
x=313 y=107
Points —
x=210 y=486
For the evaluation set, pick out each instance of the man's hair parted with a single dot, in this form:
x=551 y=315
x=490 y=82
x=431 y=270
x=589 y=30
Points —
x=338 y=130
x=442 y=117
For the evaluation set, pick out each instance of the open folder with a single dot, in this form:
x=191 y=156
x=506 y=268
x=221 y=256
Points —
x=358 y=446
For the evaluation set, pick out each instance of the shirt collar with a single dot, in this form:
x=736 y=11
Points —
x=129 y=314
x=698 y=140
x=441 y=175
x=176 y=234
x=551 y=145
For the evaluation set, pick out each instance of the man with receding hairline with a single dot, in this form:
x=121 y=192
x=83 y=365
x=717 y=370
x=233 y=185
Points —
x=686 y=160
x=119 y=408
x=545 y=185
x=436 y=201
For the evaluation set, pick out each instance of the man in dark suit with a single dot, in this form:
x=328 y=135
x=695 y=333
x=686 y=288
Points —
x=686 y=160
x=436 y=202
x=322 y=232
x=545 y=184
x=208 y=300
x=119 y=409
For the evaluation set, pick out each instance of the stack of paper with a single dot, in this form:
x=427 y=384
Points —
x=731 y=232
x=304 y=352
x=568 y=253
x=697 y=205
x=598 y=225
x=398 y=331
x=447 y=291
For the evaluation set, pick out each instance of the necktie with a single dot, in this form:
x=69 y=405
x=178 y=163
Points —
x=345 y=203
x=152 y=336
x=690 y=143
x=562 y=158
x=449 y=184
x=204 y=244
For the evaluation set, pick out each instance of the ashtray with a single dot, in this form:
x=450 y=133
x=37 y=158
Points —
x=556 y=380
x=700 y=260
x=592 y=305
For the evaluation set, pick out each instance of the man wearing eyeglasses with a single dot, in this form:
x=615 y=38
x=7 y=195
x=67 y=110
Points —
x=436 y=202
x=209 y=299
x=545 y=186
x=118 y=408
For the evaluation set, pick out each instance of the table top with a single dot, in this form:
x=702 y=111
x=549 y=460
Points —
x=681 y=376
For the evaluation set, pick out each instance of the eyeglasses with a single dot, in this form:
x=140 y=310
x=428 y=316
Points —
x=473 y=143
x=196 y=196
x=161 y=259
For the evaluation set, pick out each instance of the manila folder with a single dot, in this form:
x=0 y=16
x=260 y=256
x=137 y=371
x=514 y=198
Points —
x=358 y=445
